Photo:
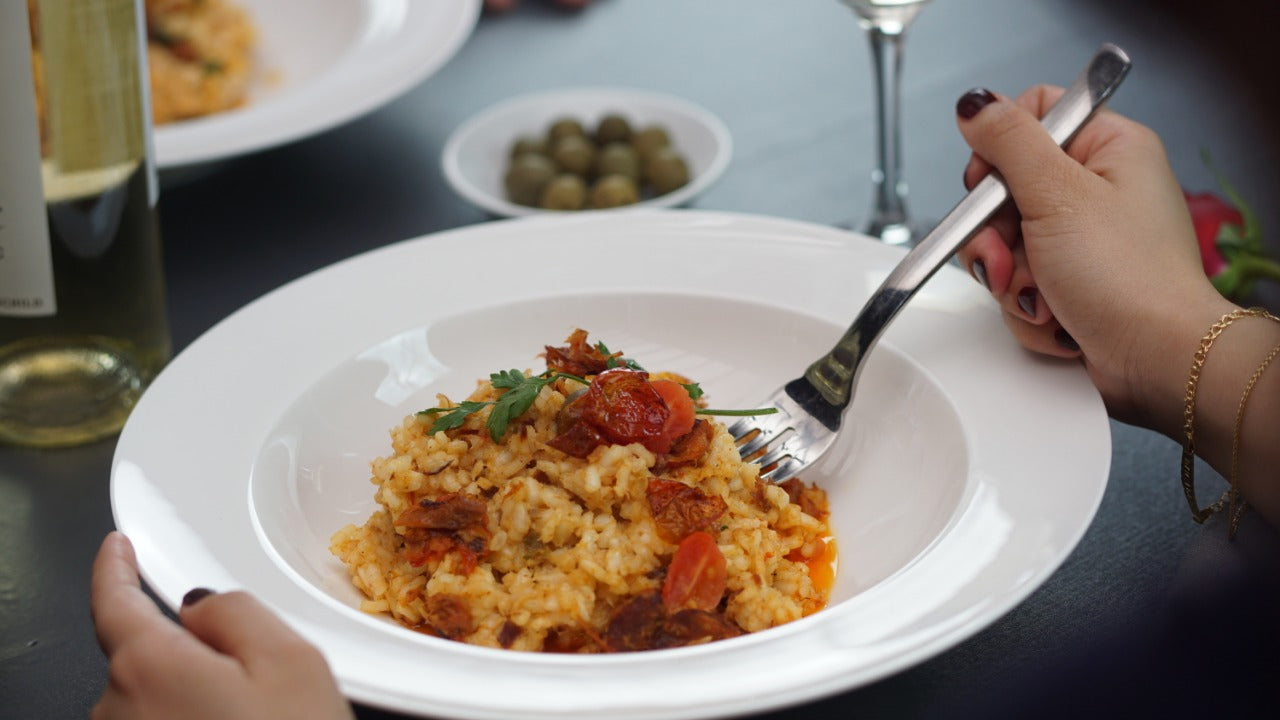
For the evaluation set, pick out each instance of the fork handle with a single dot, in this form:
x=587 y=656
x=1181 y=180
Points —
x=834 y=374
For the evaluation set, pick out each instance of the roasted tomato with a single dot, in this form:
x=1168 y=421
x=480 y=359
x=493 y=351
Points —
x=696 y=578
x=690 y=447
x=451 y=524
x=811 y=498
x=680 y=509
x=449 y=616
x=620 y=407
x=679 y=406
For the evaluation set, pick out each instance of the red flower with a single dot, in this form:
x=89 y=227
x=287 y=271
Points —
x=1230 y=241
x=1209 y=213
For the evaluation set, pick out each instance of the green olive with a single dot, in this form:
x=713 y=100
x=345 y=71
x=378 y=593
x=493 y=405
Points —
x=613 y=191
x=574 y=154
x=618 y=158
x=565 y=192
x=526 y=177
x=612 y=128
x=528 y=144
x=649 y=139
x=564 y=127
x=666 y=170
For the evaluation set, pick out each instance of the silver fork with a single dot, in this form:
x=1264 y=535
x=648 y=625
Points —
x=811 y=407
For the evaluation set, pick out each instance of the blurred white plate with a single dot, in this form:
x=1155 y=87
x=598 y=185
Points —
x=320 y=64
x=949 y=508
x=475 y=156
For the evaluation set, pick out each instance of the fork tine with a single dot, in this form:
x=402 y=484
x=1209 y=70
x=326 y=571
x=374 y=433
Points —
x=759 y=442
x=741 y=428
x=776 y=455
x=785 y=470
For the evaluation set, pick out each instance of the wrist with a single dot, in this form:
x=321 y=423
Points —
x=1164 y=350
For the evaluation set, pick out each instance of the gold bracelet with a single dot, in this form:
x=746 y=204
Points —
x=1189 y=411
x=1237 y=506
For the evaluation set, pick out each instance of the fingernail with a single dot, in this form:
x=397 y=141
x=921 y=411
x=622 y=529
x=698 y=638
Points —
x=1065 y=340
x=971 y=102
x=1027 y=301
x=196 y=595
x=980 y=272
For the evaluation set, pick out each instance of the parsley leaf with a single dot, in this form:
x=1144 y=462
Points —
x=694 y=390
x=520 y=393
x=453 y=417
x=519 y=397
x=614 y=362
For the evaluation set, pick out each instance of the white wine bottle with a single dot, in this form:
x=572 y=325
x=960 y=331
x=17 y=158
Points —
x=83 y=326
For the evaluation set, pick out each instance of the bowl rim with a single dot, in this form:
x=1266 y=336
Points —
x=464 y=186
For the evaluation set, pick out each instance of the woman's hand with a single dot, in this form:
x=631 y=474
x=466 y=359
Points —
x=1096 y=257
x=230 y=657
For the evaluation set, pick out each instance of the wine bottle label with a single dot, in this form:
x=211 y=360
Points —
x=26 y=261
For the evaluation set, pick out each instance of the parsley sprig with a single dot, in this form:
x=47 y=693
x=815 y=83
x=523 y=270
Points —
x=521 y=391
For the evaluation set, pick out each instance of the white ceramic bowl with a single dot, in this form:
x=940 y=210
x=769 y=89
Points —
x=967 y=472
x=475 y=156
x=321 y=63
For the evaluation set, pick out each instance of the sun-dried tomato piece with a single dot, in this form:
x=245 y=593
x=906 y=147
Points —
x=451 y=524
x=691 y=447
x=567 y=639
x=508 y=633
x=680 y=509
x=694 y=627
x=644 y=623
x=634 y=623
x=811 y=498
x=578 y=357
x=577 y=438
x=451 y=512
x=449 y=616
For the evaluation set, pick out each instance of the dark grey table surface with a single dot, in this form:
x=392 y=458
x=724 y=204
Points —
x=792 y=82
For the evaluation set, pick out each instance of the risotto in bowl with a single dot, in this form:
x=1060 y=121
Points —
x=590 y=507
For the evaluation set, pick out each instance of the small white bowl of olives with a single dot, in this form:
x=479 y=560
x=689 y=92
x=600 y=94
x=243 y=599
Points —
x=586 y=149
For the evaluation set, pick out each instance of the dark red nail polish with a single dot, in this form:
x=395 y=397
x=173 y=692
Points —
x=1065 y=341
x=971 y=102
x=1027 y=301
x=195 y=595
x=980 y=272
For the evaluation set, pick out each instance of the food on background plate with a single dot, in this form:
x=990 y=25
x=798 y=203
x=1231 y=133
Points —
x=199 y=54
x=592 y=507
x=614 y=164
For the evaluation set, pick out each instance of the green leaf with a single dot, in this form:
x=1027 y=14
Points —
x=451 y=418
x=513 y=403
x=694 y=390
x=1250 y=235
x=507 y=379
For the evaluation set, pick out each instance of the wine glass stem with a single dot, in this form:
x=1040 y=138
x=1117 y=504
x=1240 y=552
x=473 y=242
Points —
x=889 y=213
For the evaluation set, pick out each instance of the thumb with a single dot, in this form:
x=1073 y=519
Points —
x=1007 y=135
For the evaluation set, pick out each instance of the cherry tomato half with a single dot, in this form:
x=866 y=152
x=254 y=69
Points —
x=696 y=577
